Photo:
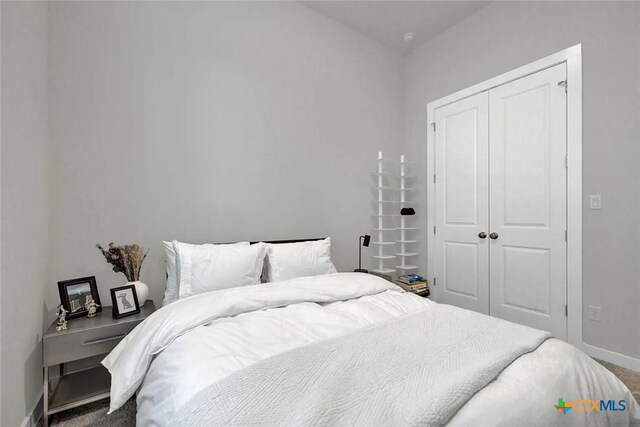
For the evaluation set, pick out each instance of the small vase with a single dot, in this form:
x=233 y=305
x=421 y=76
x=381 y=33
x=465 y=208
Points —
x=142 y=291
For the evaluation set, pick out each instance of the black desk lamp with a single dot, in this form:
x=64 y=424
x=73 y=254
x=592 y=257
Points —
x=362 y=241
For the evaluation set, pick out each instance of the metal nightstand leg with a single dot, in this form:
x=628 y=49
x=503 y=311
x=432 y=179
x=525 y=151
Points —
x=45 y=415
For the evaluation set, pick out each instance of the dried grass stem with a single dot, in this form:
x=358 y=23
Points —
x=125 y=259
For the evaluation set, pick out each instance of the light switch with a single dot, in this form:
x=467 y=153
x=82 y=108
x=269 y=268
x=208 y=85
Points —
x=595 y=201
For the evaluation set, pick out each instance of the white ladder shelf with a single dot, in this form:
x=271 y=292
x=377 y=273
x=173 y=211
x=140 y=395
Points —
x=385 y=225
x=406 y=233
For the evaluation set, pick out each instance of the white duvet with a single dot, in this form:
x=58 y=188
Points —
x=184 y=347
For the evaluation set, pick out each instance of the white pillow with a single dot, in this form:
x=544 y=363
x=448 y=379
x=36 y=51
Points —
x=290 y=260
x=204 y=268
x=171 y=291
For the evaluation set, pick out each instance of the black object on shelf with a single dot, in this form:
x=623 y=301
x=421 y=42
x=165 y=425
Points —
x=424 y=294
x=407 y=211
x=362 y=241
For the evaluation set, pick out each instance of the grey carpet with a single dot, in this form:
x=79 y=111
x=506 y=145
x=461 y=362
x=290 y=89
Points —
x=95 y=414
x=630 y=378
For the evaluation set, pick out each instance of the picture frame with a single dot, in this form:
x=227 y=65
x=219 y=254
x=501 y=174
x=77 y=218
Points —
x=124 y=301
x=76 y=293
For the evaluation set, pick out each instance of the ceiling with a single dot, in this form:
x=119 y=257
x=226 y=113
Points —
x=388 y=21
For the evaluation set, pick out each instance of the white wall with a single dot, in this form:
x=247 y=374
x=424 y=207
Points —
x=222 y=122
x=211 y=122
x=25 y=205
x=506 y=35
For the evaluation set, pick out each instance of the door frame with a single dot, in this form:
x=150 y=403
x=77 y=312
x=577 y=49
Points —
x=573 y=58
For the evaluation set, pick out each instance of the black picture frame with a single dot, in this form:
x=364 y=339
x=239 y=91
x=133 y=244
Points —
x=124 y=308
x=73 y=291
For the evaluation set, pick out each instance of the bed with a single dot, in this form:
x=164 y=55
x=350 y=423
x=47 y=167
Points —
x=353 y=349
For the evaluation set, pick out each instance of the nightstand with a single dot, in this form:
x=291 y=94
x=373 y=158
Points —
x=84 y=339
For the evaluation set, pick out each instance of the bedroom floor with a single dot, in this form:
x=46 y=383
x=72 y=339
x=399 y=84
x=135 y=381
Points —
x=630 y=378
x=94 y=413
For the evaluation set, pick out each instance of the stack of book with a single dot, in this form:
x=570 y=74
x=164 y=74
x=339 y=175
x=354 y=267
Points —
x=413 y=283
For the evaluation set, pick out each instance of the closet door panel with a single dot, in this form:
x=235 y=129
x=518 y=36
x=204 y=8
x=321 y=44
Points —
x=528 y=201
x=462 y=203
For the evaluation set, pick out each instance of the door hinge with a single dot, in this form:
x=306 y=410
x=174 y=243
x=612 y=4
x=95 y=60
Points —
x=434 y=229
x=434 y=281
x=433 y=126
x=566 y=237
x=563 y=84
x=566 y=310
x=566 y=162
x=434 y=178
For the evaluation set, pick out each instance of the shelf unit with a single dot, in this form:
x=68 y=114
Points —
x=406 y=233
x=384 y=221
x=394 y=236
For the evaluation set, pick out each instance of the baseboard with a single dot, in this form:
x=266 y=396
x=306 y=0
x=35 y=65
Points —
x=612 y=357
x=32 y=418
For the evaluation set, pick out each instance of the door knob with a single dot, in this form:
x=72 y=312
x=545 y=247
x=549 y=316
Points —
x=494 y=236
x=482 y=235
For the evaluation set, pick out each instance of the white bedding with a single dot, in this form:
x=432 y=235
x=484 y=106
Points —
x=243 y=326
x=365 y=378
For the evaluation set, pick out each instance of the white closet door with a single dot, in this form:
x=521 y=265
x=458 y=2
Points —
x=462 y=257
x=528 y=187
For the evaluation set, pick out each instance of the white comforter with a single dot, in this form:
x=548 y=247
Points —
x=190 y=344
